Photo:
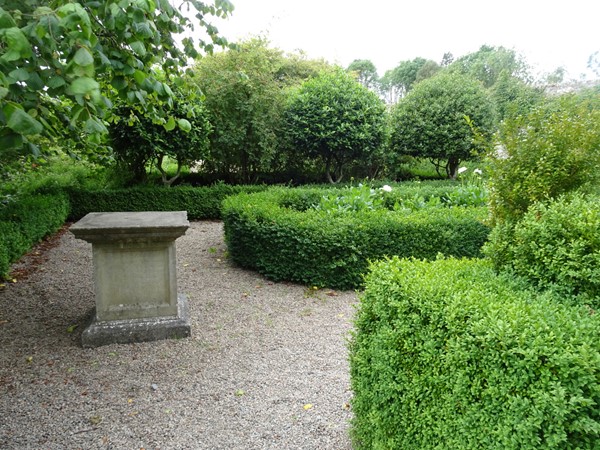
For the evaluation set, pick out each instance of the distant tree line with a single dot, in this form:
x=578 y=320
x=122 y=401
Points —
x=248 y=114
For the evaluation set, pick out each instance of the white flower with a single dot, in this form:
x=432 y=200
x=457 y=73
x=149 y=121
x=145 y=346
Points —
x=386 y=188
x=462 y=169
x=477 y=171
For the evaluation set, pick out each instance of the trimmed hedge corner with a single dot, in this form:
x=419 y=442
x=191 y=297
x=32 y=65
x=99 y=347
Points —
x=25 y=222
x=279 y=235
x=447 y=354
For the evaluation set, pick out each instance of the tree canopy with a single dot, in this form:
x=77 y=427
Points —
x=366 y=72
x=488 y=63
x=335 y=118
x=63 y=61
x=437 y=120
x=244 y=91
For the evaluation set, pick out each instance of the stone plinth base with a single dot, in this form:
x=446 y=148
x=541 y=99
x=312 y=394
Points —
x=128 y=331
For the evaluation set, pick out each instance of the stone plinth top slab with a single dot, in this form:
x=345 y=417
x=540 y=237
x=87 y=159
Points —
x=107 y=227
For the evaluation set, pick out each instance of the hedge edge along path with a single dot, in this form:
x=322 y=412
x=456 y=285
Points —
x=278 y=234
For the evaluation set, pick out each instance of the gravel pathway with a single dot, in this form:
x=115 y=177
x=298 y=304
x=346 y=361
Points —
x=266 y=366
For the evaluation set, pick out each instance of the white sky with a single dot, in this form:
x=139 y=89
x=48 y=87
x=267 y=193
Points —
x=547 y=33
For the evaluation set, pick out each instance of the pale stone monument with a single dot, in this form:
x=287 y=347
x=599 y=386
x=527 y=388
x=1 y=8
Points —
x=135 y=277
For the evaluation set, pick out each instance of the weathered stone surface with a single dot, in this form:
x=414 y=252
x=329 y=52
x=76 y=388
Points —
x=149 y=226
x=135 y=275
x=138 y=330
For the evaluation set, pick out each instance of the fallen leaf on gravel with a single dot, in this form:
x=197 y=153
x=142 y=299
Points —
x=95 y=420
x=72 y=328
x=2 y=322
x=346 y=405
x=29 y=359
x=130 y=401
x=308 y=406
x=332 y=294
x=239 y=392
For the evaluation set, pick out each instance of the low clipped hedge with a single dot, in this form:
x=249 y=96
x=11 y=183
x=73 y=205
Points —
x=26 y=221
x=448 y=354
x=279 y=235
x=555 y=244
x=201 y=203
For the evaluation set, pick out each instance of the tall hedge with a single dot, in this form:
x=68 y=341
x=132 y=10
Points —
x=449 y=355
x=313 y=247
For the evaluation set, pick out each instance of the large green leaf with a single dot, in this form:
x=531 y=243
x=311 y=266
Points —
x=82 y=86
x=184 y=124
x=6 y=20
x=17 y=43
x=83 y=57
x=21 y=122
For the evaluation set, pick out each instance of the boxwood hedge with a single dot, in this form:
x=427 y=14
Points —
x=26 y=221
x=276 y=233
x=555 y=244
x=201 y=203
x=449 y=355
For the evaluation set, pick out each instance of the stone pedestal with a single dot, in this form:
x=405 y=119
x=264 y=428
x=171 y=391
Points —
x=135 y=278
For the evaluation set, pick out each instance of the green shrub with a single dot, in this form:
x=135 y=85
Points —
x=201 y=203
x=26 y=221
x=449 y=355
x=554 y=245
x=321 y=248
x=550 y=151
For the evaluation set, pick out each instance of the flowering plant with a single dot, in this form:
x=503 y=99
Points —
x=353 y=199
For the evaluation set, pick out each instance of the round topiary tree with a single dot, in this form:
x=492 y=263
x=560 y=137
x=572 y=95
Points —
x=335 y=118
x=447 y=119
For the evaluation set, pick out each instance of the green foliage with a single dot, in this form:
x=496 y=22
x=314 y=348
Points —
x=365 y=72
x=438 y=118
x=472 y=190
x=319 y=248
x=137 y=141
x=334 y=118
x=555 y=245
x=26 y=221
x=513 y=97
x=28 y=175
x=548 y=152
x=447 y=354
x=244 y=92
x=64 y=61
x=201 y=203
x=488 y=63
x=398 y=81
x=352 y=199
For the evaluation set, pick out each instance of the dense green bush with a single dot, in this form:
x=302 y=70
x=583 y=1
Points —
x=25 y=221
x=334 y=118
x=436 y=120
x=280 y=235
x=546 y=153
x=554 y=245
x=449 y=355
x=201 y=203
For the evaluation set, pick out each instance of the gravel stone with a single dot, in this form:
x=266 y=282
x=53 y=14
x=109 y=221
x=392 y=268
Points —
x=265 y=368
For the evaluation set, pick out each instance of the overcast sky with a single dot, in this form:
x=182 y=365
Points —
x=548 y=34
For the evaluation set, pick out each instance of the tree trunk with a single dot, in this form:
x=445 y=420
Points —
x=167 y=181
x=452 y=167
